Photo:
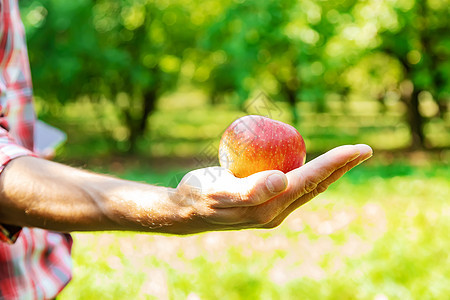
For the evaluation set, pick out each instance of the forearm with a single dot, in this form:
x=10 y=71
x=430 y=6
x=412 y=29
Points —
x=39 y=193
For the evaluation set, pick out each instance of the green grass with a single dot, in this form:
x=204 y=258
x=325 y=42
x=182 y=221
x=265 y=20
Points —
x=379 y=233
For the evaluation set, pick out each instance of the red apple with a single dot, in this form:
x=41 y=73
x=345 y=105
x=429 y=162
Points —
x=255 y=143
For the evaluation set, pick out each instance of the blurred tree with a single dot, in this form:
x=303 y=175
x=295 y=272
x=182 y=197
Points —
x=420 y=41
x=401 y=48
x=259 y=55
x=232 y=55
x=127 y=51
x=131 y=52
x=63 y=47
x=279 y=47
x=142 y=46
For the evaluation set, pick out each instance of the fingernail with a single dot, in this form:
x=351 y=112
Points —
x=276 y=183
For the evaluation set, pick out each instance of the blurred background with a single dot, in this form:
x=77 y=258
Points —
x=144 y=90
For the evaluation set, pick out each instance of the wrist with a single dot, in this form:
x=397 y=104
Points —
x=142 y=207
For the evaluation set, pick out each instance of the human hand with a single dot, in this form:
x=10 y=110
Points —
x=217 y=200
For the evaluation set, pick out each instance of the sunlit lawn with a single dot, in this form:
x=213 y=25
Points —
x=380 y=233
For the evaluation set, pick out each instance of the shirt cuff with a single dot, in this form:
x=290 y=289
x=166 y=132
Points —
x=9 y=151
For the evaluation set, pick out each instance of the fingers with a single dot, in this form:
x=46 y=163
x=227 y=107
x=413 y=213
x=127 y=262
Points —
x=264 y=199
x=226 y=190
x=321 y=172
x=365 y=153
x=263 y=186
x=309 y=180
x=341 y=171
x=306 y=179
x=252 y=190
x=271 y=214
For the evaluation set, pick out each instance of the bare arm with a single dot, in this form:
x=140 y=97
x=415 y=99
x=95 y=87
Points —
x=39 y=193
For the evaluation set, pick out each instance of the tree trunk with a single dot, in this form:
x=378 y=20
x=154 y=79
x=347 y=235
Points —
x=214 y=98
x=415 y=120
x=149 y=107
x=292 y=99
x=443 y=107
x=139 y=127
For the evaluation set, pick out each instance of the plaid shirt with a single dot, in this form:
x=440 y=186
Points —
x=34 y=263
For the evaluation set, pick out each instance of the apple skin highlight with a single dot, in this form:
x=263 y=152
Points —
x=254 y=143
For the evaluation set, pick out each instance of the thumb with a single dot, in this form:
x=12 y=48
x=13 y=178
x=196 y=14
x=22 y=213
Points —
x=263 y=186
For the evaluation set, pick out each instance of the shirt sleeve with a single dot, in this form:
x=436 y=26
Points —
x=8 y=151
x=17 y=116
x=17 y=121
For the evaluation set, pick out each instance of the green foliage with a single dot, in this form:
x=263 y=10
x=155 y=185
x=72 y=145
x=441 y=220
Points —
x=128 y=52
x=133 y=53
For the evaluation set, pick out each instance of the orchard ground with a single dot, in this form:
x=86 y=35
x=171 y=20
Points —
x=379 y=233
